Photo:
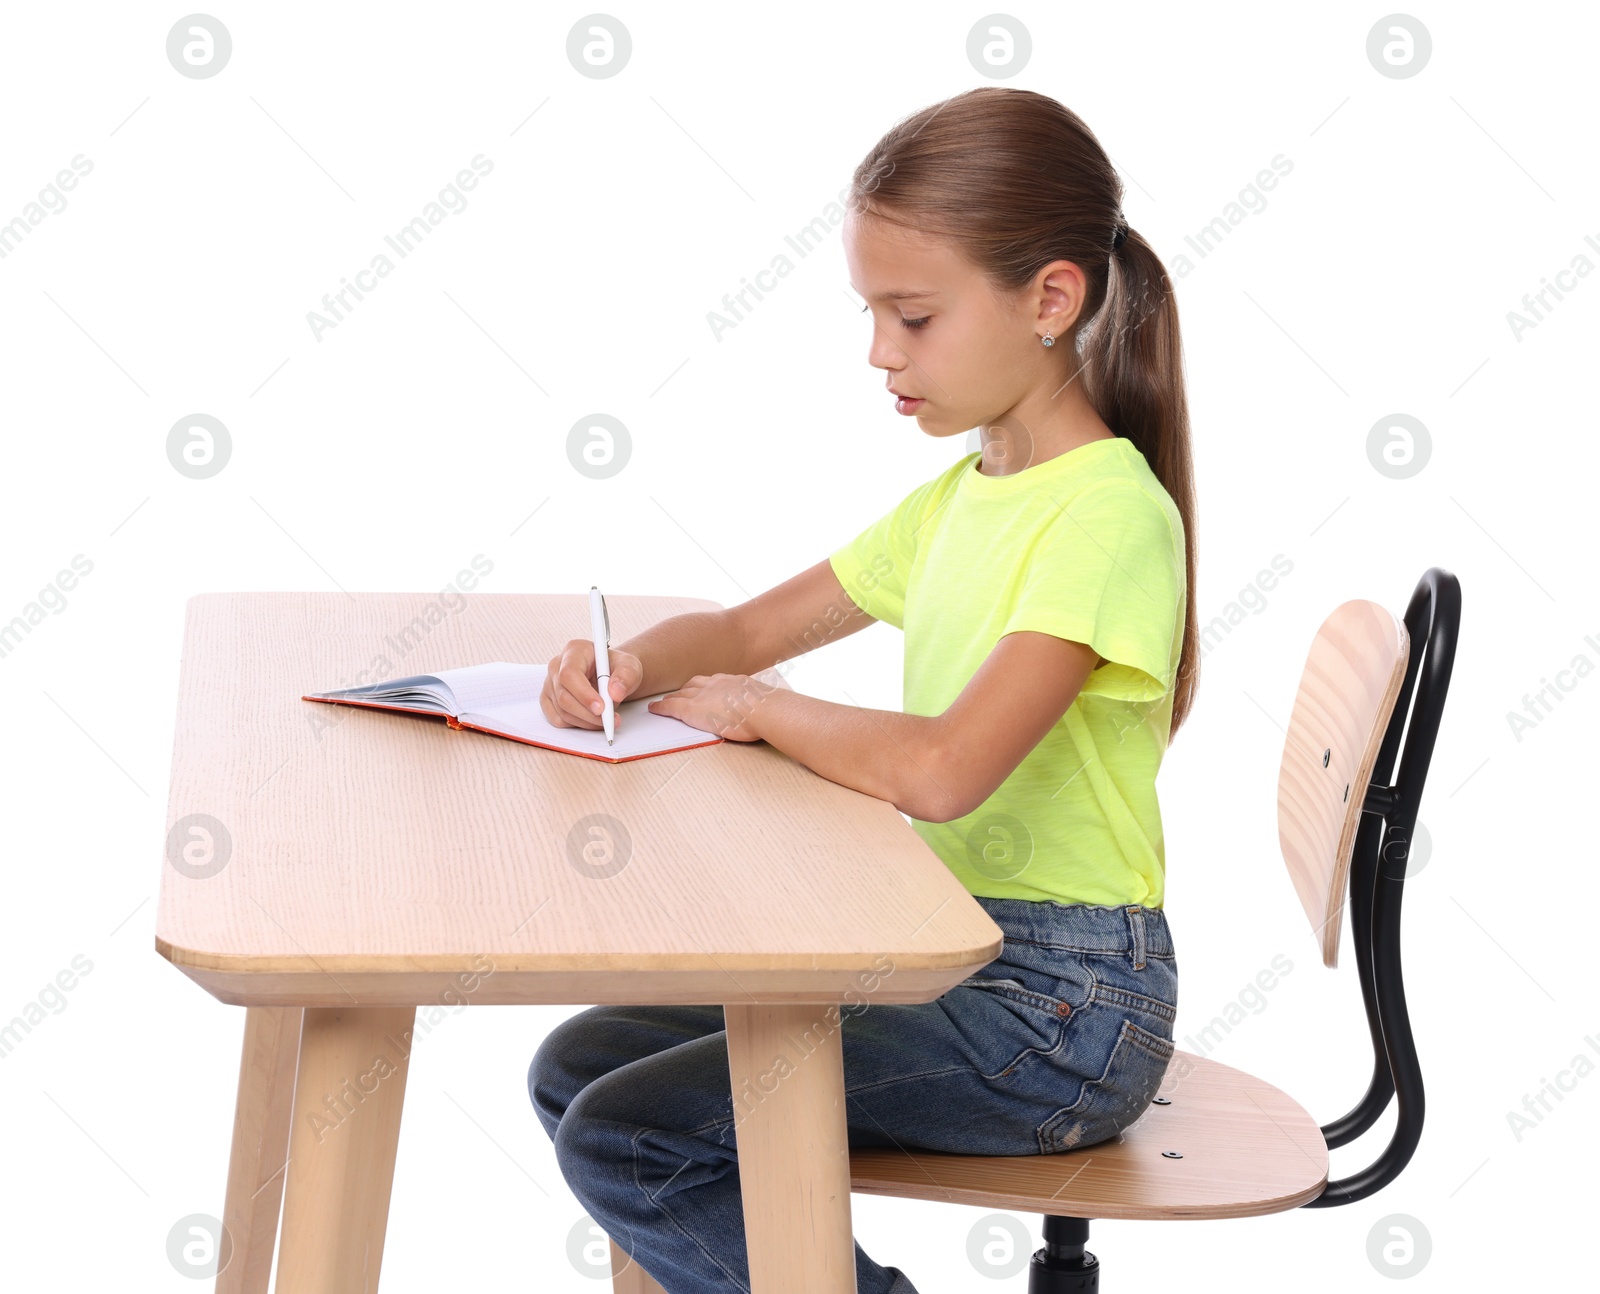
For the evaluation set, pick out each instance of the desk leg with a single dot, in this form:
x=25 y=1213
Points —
x=260 y=1146
x=787 y=1071
x=348 y=1095
x=628 y=1277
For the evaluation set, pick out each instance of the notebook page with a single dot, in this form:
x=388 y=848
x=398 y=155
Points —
x=476 y=687
x=419 y=691
x=638 y=731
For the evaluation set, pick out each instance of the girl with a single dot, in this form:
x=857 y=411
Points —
x=1050 y=651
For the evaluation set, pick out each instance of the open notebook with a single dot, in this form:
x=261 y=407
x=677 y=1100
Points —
x=503 y=699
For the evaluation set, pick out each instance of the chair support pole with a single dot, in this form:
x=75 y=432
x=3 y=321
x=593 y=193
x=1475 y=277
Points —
x=1363 y=885
x=1064 y=1265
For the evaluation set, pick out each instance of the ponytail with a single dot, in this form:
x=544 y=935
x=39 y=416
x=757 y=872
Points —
x=1133 y=375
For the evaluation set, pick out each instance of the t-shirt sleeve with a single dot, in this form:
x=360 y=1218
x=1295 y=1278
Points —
x=875 y=566
x=1107 y=572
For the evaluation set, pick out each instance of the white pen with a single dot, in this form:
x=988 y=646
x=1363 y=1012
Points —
x=600 y=626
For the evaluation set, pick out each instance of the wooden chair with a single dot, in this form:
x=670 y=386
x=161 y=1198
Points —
x=1217 y=1142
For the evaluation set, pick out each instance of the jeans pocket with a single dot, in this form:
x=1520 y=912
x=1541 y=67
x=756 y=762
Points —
x=1007 y=1023
x=1110 y=1103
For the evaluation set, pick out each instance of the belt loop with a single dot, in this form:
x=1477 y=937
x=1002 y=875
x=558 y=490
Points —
x=1136 y=925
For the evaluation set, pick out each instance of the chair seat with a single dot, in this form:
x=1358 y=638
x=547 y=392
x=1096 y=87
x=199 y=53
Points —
x=1246 y=1148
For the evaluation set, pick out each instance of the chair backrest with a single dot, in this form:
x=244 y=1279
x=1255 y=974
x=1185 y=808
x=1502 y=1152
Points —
x=1347 y=815
x=1352 y=678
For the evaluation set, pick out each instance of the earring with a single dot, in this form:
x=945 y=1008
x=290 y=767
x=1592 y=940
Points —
x=1049 y=339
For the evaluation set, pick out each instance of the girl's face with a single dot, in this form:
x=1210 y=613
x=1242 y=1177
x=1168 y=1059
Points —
x=963 y=356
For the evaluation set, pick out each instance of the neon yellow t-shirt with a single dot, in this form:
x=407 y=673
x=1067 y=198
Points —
x=1086 y=546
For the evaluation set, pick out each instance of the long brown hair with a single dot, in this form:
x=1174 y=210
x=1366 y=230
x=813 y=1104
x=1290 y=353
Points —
x=1016 y=180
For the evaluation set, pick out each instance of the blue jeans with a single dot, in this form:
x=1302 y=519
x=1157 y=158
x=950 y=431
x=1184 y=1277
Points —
x=1059 y=1042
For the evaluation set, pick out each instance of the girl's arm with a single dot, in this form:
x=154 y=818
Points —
x=797 y=616
x=932 y=768
x=882 y=753
x=674 y=649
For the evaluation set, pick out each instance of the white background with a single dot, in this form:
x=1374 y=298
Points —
x=429 y=424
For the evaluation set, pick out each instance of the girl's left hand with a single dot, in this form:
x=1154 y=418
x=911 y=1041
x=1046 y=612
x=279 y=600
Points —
x=724 y=704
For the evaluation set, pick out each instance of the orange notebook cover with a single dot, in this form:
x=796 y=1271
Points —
x=502 y=699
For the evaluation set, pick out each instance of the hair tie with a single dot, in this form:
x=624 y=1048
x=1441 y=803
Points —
x=1120 y=236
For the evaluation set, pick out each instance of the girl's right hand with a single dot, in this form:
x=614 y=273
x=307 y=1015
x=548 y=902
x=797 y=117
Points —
x=570 y=698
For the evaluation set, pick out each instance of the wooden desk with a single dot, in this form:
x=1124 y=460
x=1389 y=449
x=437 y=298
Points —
x=351 y=865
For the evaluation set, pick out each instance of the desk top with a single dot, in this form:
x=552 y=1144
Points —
x=326 y=855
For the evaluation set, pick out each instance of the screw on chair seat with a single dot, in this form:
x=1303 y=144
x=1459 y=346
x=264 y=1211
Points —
x=1246 y=1147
